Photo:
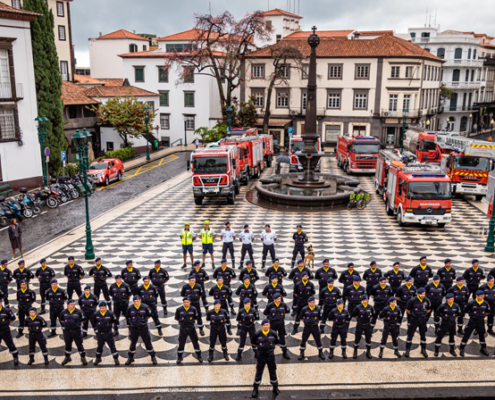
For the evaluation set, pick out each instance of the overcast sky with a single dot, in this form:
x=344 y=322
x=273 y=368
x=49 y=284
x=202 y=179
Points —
x=164 y=17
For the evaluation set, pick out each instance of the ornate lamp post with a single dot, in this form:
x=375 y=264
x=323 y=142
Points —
x=229 y=119
x=81 y=142
x=405 y=113
x=42 y=137
x=147 y=109
x=470 y=124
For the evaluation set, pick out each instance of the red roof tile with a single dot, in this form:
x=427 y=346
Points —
x=191 y=34
x=88 y=79
x=74 y=94
x=9 y=12
x=278 y=11
x=321 y=34
x=160 y=54
x=114 y=91
x=122 y=34
x=373 y=33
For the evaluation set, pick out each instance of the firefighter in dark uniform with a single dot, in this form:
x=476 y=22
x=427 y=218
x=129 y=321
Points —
x=418 y=308
x=404 y=294
x=380 y=293
x=347 y=277
x=35 y=325
x=311 y=315
x=88 y=303
x=489 y=289
x=22 y=274
x=71 y=319
x=246 y=319
x=266 y=339
x=25 y=300
x=461 y=297
x=56 y=298
x=477 y=310
x=276 y=311
x=296 y=275
x=159 y=277
x=340 y=318
x=273 y=287
x=224 y=294
x=303 y=291
x=201 y=277
x=395 y=277
x=372 y=276
x=364 y=314
x=121 y=293
x=6 y=318
x=131 y=276
x=300 y=238
x=435 y=292
x=5 y=279
x=104 y=320
x=247 y=290
x=218 y=318
x=186 y=315
x=74 y=274
x=137 y=318
x=353 y=294
x=322 y=274
x=149 y=296
x=194 y=292
x=276 y=269
x=448 y=313
x=100 y=275
x=421 y=273
x=249 y=270
x=473 y=277
x=447 y=274
x=328 y=300
x=227 y=274
x=44 y=274
x=392 y=317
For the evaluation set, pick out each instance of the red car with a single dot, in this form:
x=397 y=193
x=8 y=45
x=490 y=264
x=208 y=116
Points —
x=107 y=170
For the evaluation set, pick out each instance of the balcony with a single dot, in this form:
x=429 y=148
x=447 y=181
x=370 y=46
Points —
x=464 y=85
x=320 y=112
x=463 y=63
x=386 y=113
x=446 y=39
x=6 y=91
x=457 y=109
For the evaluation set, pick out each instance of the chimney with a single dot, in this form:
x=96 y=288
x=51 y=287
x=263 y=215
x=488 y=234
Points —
x=356 y=35
x=134 y=31
x=100 y=34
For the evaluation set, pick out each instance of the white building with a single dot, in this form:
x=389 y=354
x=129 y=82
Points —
x=20 y=153
x=283 y=24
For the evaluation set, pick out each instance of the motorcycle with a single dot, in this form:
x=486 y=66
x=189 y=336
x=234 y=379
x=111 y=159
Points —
x=44 y=195
x=71 y=190
x=30 y=201
x=57 y=192
x=23 y=208
x=11 y=209
x=4 y=221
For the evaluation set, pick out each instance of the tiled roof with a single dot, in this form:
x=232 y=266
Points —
x=160 y=54
x=488 y=46
x=278 y=11
x=113 y=91
x=321 y=34
x=88 y=79
x=373 y=33
x=189 y=35
x=122 y=34
x=478 y=35
x=7 y=11
x=74 y=94
x=383 y=46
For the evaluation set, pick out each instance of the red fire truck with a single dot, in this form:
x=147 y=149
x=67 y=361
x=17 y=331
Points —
x=297 y=144
x=357 y=153
x=216 y=173
x=415 y=192
x=422 y=144
x=268 y=150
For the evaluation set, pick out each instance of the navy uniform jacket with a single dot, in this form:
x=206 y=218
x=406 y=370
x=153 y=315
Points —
x=148 y=295
x=269 y=290
x=186 y=318
x=56 y=298
x=104 y=322
x=447 y=313
x=477 y=312
x=461 y=294
x=353 y=294
x=418 y=308
x=138 y=317
x=280 y=272
x=218 y=319
x=296 y=274
x=328 y=298
x=420 y=275
x=323 y=276
x=159 y=278
x=100 y=275
x=131 y=277
x=395 y=279
x=253 y=274
x=45 y=275
x=249 y=292
x=71 y=321
x=194 y=292
x=311 y=317
x=472 y=277
x=304 y=291
x=364 y=314
x=248 y=317
x=223 y=294
x=447 y=278
x=339 y=318
x=36 y=325
x=372 y=277
x=391 y=317
x=201 y=276
x=404 y=294
x=227 y=274
x=300 y=238
x=265 y=343
x=25 y=274
x=120 y=294
x=346 y=278
x=435 y=293
x=276 y=313
x=73 y=274
x=88 y=304
x=381 y=294
x=6 y=317
x=5 y=276
x=25 y=299
x=489 y=293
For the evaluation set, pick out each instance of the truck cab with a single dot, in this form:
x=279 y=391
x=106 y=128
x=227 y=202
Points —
x=296 y=144
x=357 y=154
x=423 y=144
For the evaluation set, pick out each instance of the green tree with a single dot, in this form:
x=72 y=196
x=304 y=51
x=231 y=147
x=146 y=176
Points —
x=211 y=135
x=125 y=115
x=48 y=80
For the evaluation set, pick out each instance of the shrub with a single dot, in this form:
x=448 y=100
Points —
x=122 y=154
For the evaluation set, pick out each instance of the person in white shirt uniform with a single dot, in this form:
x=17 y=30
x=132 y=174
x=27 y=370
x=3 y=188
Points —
x=268 y=237
x=247 y=238
x=228 y=237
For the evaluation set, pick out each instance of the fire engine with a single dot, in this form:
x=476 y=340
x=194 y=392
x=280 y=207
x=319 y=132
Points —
x=422 y=144
x=467 y=162
x=357 y=153
x=297 y=144
x=268 y=149
x=385 y=157
x=216 y=173
x=414 y=192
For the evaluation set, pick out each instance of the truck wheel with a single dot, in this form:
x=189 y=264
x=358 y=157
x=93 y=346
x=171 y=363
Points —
x=377 y=188
x=399 y=219
x=231 y=199
x=198 y=200
x=441 y=225
x=339 y=164
x=237 y=187
x=389 y=210
x=479 y=197
x=348 y=169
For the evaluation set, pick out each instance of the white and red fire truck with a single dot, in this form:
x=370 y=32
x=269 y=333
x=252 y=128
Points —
x=297 y=144
x=267 y=141
x=357 y=153
x=414 y=192
x=422 y=144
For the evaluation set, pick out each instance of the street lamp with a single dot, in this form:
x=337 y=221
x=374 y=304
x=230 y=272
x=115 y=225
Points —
x=185 y=131
x=428 y=125
x=42 y=137
x=147 y=109
x=229 y=119
x=405 y=112
x=491 y=126
x=81 y=142
x=448 y=120
x=470 y=124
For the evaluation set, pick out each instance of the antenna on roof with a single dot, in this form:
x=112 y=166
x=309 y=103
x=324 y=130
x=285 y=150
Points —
x=436 y=11
x=426 y=20
x=209 y=8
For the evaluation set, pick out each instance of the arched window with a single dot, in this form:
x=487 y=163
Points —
x=458 y=53
x=451 y=124
x=456 y=75
x=469 y=54
x=453 y=102
x=441 y=52
x=474 y=54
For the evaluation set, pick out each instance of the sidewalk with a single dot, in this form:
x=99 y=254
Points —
x=156 y=155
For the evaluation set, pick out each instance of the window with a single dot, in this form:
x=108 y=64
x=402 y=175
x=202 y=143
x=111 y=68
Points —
x=284 y=71
x=188 y=74
x=395 y=73
x=133 y=48
x=162 y=74
x=362 y=72
x=259 y=97
x=474 y=54
x=282 y=98
x=145 y=47
x=458 y=53
x=333 y=100
x=472 y=75
x=334 y=71
x=409 y=72
x=469 y=54
x=60 y=9
x=109 y=146
x=428 y=73
x=64 y=70
x=392 y=102
x=163 y=99
x=453 y=102
x=164 y=121
x=16 y=3
x=258 y=70
x=72 y=112
x=188 y=99
x=407 y=102
x=413 y=35
x=5 y=85
x=441 y=53
x=279 y=37
x=456 y=75
x=304 y=100
x=7 y=124
x=61 y=32
x=305 y=71
x=360 y=101
x=181 y=48
x=467 y=75
x=332 y=132
x=189 y=120
x=138 y=74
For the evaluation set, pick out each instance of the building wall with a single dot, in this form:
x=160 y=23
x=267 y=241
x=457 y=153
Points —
x=281 y=25
x=64 y=47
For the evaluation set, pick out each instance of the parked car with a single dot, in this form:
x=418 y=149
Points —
x=107 y=170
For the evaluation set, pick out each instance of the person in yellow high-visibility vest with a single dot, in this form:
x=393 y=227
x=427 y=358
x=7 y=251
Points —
x=207 y=236
x=187 y=237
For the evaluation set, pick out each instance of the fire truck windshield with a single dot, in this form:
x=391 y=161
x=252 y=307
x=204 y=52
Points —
x=430 y=190
x=429 y=145
x=299 y=146
x=210 y=165
x=472 y=163
x=370 y=148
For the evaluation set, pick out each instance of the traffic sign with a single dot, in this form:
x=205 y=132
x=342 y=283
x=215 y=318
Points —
x=290 y=130
x=63 y=155
x=47 y=151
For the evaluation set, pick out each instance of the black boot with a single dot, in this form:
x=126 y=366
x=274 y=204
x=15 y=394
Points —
x=330 y=354
x=47 y=361
x=460 y=331
x=239 y=355
x=198 y=354
x=116 y=332
x=130 y=360
x=436 y=329
x=116 y=360
x=229 y=331
x=160 y=332
x=397 y=354
x=66 y=360
x=203 y=265
x=437 y=351
x=301 y=355
x=213 y=265
x=275 y=390
x=355 y=355
x=296 y=327
x=184 y=266
x=16 y=361
x=452 y=351
x=423 y=351
x=255 y=392
x=179 y=358
x=232 y=311
x=380 y=355
x=53 y=333
x=285 y=353
x=408 y=350
x=201 y=331
x=225 y=355
x=42 y=310
x=165 y=312
x=19 y=334
x=97 y=360
x=153 y=360
x=237 y=332
x=263 y=265
x=210 y=355
x=255 y=352
x=461 y=351
x=490 y=330
x=483 y=350
x=344 y=355
x=83 y=359
x=320 y=355
x=368 y=352
x=85 y=334
x=31 y=359
x=293 y=313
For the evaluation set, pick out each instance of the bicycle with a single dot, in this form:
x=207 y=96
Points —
x=359 y=200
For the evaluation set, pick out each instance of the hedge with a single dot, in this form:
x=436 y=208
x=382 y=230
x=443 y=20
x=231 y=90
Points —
x=122 y=154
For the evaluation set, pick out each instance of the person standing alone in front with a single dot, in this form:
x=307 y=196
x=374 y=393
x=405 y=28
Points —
x=15 y=236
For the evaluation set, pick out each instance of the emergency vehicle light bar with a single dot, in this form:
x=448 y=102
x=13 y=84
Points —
x=428 y=176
